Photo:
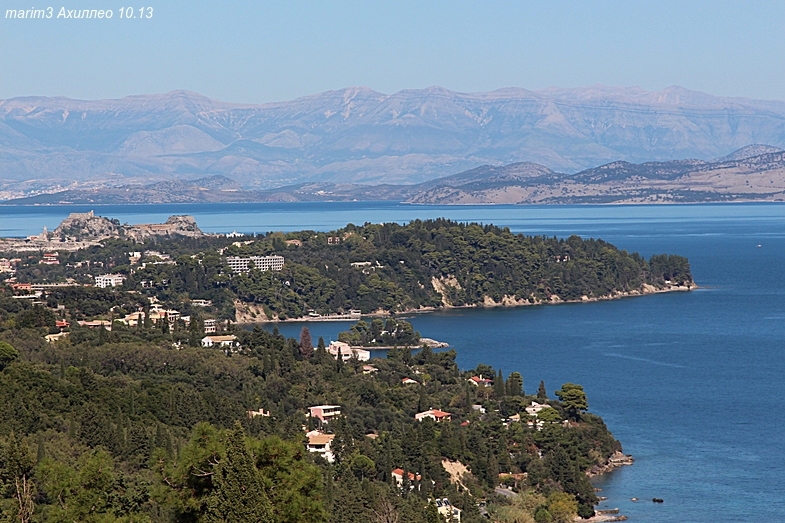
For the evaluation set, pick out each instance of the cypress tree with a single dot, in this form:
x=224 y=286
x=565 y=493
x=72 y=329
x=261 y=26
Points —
x=542 y=394
x=422 y=403
x=499 y=386
x=306 y=343
x=240 y=494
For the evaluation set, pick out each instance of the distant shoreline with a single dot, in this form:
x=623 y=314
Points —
x=645 y=291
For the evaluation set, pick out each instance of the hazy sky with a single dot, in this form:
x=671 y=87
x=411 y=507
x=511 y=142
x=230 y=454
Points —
x=259 y=51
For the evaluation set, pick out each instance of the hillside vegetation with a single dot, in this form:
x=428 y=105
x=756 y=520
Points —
x=124 y=426
x=439 y=263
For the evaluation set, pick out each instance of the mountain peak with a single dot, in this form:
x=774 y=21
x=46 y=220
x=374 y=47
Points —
x=749 y=151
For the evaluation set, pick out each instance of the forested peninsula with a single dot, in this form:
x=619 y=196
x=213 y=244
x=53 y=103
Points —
x=441 y=263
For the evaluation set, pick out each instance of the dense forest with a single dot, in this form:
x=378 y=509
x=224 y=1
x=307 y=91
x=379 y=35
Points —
x=138 y=425
x=374 y=268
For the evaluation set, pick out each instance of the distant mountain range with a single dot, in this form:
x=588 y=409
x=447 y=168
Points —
x=755 y=172
x=359 y=136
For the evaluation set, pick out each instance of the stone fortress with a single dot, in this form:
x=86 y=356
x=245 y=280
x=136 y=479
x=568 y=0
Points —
x=82 y=230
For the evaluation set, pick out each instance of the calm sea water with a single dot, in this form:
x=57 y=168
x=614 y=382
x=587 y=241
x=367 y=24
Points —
x=692 y=383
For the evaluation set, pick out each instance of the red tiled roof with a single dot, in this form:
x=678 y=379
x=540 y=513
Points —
x=411 y=475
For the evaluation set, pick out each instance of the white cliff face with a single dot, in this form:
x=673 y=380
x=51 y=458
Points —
x=359 y=135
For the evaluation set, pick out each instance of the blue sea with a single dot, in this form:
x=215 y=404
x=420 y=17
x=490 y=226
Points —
x=692 y=384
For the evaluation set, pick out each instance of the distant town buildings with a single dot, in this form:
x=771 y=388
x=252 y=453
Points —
x=7 y=265
x=263 y=263
x=50 y=258
x=202 y=303
x=210 y=326
x=109 y=280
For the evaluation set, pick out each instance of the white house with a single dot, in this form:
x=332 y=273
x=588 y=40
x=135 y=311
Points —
x=229 y=341
x=435 y=414
x=535 y=407
x=397 y=475
x=345 y=351
x=450 y=513
x=320 y=443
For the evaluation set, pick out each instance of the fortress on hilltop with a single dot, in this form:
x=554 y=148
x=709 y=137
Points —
x=85 y=229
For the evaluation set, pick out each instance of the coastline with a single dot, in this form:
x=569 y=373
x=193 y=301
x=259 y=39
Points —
x=617 y=460
x=253 y=312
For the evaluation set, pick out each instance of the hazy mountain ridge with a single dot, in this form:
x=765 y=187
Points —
x=357 y=135
x=745 y=178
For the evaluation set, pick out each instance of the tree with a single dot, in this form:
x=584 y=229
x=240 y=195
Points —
x=306 y=343
x=285 y=463
x=195 y=331
x=574 y=399
x=239 y=493
x=549 y=415
x=7 y=354
x=562 y=507
x=542 y=394
x=499 y=387
x=515 y=384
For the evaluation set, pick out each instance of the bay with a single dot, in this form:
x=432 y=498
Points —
x=690 y=383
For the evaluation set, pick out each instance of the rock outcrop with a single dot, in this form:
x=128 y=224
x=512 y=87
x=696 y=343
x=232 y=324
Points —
x=87 y=226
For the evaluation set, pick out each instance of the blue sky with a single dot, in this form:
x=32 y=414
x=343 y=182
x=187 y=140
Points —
x=257 y=51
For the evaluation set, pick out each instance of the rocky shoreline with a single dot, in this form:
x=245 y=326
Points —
x=254 y=313
x=618 y=459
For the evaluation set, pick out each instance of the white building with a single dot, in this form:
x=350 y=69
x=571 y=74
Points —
x=210 y=326
x=229 y=341
x=109 y=280
x=320 y=443
x=535 y=408
x=450 y=513
x=263 y=263
x=345 y=351
x=325 y=412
